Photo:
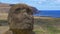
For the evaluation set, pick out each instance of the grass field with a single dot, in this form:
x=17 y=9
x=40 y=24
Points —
x=41 y=26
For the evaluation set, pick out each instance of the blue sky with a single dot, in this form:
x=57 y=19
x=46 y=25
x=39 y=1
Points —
x=39 y=4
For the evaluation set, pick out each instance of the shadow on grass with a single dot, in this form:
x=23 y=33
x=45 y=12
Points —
x=3 y=22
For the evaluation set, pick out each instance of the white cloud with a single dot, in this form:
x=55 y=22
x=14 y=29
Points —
x=57 y=1
x=40 y=4
x=38 y=1
x=41 y=1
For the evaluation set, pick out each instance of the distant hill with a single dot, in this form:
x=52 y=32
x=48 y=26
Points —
x=4 y=7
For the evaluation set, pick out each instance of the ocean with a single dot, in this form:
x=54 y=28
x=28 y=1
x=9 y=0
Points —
x=51 y=13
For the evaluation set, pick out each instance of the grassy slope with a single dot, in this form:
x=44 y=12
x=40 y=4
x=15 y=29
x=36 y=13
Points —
x=42 y=25
x=49 y=26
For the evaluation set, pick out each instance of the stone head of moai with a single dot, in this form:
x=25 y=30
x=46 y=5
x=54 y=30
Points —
x=20 y=18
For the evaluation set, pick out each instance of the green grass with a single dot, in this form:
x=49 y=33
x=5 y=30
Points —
x=47 y=23
x=50 y=29
x=3 y=21
x=53 y=30
x=38 y=31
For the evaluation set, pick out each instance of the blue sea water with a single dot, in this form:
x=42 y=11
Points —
x=51 y=13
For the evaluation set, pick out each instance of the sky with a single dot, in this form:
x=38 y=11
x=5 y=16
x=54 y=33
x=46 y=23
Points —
x=39 y=4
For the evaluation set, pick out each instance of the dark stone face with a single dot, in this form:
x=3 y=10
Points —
x=20 y=19
x=19 y=10
x=20 y=16
x=22 y=10
x=21 y=13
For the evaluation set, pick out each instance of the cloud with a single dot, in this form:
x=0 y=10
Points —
x=57 y=1
x=40 y=4
x=40 y=1
x=10 y=1
x=53 y=2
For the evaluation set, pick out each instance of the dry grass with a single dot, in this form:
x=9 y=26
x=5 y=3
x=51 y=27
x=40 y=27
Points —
x=3 y=29
x=3 y=16
x=42 y=26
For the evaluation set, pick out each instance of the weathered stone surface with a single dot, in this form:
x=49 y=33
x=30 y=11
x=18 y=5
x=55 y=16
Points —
x=8 y=32
x=20 y=19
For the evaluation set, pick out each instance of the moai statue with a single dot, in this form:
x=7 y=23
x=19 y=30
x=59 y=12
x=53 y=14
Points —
x=20 y=19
